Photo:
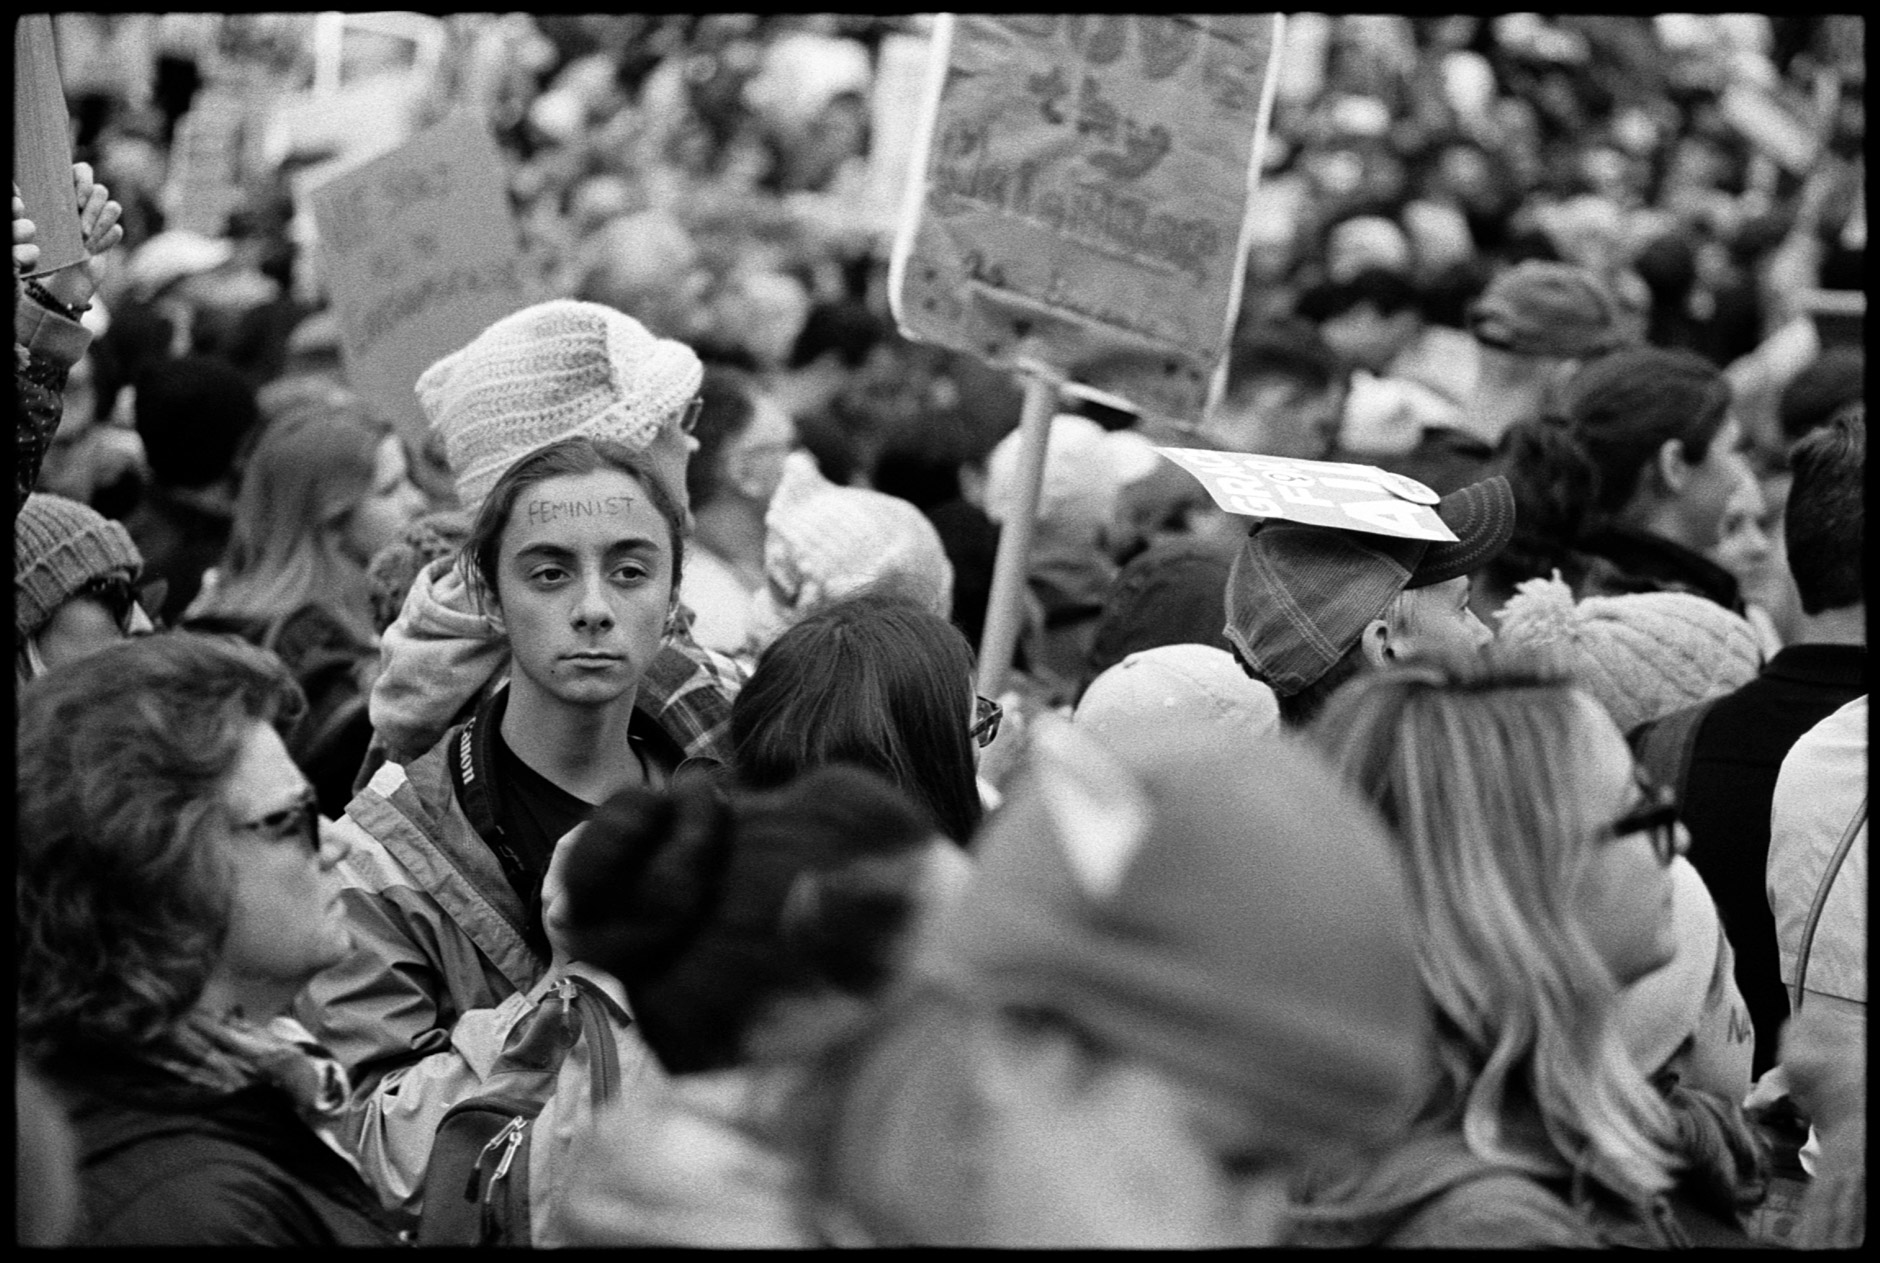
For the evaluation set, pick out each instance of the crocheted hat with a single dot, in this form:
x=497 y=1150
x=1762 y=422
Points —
x=59 y=546
x=1642 y=655
x=823 y=541
x=548 y=372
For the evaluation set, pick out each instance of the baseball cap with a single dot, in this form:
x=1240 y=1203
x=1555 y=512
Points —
x=1544 y=308
x=1299 y=596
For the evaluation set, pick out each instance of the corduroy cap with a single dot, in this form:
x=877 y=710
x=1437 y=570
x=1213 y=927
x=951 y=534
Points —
x=1299 y=596
x=59 y=546
x=1224 y=910
x=1643 y=654
x=550 y=372
x=1543 y=308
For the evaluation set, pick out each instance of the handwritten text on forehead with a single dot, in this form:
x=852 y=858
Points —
x=542 y=512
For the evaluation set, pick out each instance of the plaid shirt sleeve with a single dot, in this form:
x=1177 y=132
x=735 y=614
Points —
x=690 y=689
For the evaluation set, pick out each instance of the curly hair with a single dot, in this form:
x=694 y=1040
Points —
x=121 y=891
x=1471 y=764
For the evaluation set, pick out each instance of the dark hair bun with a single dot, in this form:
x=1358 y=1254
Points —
x=645 y=876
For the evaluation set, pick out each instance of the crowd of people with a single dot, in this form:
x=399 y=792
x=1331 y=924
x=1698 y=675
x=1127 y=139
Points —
x=577 y=823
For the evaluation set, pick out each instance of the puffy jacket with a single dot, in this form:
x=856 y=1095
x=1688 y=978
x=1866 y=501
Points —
x=238 y=1168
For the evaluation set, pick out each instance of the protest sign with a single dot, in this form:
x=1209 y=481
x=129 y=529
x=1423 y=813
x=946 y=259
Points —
x=1082 y=185
x=893 y=127
x=42 y=147
x=204 y=182
x=420 y=253
x=1316 y=492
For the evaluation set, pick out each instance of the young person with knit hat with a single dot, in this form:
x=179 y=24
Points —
x=570 y=572
x=1309 y=607
x=1183 y=964
x=73 y=577
x=547 y=372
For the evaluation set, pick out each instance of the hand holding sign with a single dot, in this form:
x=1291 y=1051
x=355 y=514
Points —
x=25 y=251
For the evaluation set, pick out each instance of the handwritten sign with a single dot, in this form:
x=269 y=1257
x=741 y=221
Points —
x=1317 y=492
x=420 y=254
x=1082 y=191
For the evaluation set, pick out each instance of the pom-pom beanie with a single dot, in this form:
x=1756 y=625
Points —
x=59 y=546
x=549 y=372
x=1642 y=655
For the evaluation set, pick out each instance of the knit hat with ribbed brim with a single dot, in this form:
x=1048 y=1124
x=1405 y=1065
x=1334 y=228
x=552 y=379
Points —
x=1222 y=908
x=549 y=372
x=59 y=546
x=1641 y=655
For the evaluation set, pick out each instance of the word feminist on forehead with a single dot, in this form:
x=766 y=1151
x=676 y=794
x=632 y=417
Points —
x=541 y=512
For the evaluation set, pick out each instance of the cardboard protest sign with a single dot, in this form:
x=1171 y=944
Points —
x=1081 y=195
x=1317 y=492
x=42 y=147
x=420 y=254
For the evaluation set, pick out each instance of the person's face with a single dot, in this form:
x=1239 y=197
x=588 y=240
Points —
x=1743 y=544
x=1439 y=620
x=755 y=461
x=1624 y=895
x=1279 y=416
x=584 y=585
x=286 y=924
x=1367 y=338
x=388 y=506
x=1711 y=486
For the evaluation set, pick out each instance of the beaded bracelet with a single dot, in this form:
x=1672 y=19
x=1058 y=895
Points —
x=41 y=295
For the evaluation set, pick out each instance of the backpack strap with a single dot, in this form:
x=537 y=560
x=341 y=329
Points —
x=1821 y=900
x=1664 y=747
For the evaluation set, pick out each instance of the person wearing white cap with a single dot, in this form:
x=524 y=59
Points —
x=568 y=427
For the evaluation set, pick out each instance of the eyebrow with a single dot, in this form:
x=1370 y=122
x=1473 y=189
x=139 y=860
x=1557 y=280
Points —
x=558 y=552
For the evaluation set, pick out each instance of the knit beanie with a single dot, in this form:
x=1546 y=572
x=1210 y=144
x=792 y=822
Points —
x=550 y=372
x=59 y=546
x=1642 y=655
x=824 y=541
x=1226 y=911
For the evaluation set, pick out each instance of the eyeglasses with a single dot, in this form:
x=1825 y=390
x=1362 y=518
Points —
x=301 y=823
x=987 y=715
x=688 y=416
x=1657 y=817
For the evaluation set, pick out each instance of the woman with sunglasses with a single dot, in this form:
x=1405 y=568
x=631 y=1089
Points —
x=73 y=577
x=876 y=680
x=174 y=894
x=1538 y=867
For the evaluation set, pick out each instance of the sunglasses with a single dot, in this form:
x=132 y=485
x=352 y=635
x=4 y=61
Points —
x=299 y=823
x=1658 y=818
x=122 y=601
x=987 y=715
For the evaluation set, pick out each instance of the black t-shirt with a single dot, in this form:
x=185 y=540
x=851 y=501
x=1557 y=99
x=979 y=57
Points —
x=540 y=812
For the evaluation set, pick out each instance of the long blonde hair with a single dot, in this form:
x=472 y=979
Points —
x=1478 y=769
x=286 y=551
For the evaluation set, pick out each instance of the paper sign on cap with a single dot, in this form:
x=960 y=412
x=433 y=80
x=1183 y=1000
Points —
x=1315 y=492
